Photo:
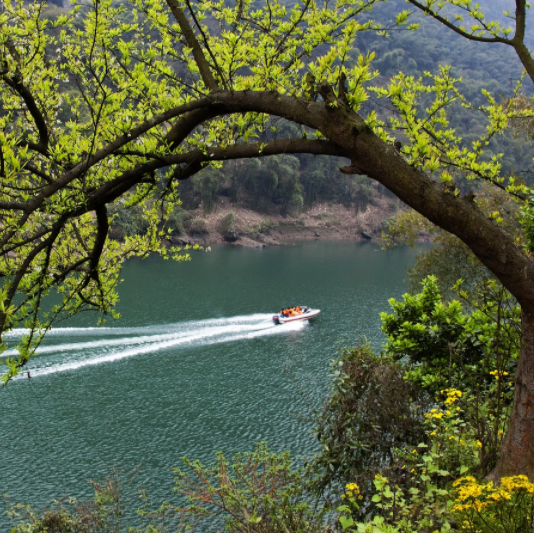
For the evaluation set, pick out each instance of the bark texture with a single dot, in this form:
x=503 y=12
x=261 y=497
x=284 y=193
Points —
x=516 y=455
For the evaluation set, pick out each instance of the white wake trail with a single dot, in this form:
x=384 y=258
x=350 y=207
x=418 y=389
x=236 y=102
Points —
x=142 y=339
x=165 y=328
x=205 y=337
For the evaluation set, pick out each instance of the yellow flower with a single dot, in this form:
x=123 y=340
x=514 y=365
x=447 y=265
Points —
x=466 y=479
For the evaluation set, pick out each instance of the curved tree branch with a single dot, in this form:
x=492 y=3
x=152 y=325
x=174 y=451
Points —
x=195 y=160
x=456 y=29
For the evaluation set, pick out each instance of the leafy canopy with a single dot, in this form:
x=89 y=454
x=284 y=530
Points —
x=116 y=100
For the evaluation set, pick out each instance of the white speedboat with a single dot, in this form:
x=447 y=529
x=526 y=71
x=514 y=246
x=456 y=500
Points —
x=305 y=314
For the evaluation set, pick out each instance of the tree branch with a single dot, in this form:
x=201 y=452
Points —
x=104 y=152
x=102 y=226
x=517 y=42
x=192 y=41
x=196 y=160
x=17 y=85
x=456 y=29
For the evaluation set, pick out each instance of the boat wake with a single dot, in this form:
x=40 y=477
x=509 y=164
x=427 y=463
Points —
x=95 y=346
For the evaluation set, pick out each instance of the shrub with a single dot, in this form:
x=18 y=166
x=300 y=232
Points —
x=444 y=347
x=260 y=492
x=198 y=225
x=432 y=495
x=447 y=346
x=421 y=498
x=102 y=514
x=227 y=227
x=371 y=410
x=177 y=221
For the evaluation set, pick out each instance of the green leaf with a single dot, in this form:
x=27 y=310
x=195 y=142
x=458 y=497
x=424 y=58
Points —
x=346 y=522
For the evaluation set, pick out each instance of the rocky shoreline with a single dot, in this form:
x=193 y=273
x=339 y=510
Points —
x=256 y=230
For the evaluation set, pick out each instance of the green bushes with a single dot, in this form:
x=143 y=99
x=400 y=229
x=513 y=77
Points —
x=227 y=227
x=178 y=221
x=450 y=347
x=101 y=514
x=363 y=420
x=198 y=225
x=435 y=495
x=258 y=492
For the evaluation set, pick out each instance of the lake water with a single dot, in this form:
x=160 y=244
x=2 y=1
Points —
x=194 y=365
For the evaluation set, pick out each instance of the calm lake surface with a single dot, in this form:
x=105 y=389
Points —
x=194 y=365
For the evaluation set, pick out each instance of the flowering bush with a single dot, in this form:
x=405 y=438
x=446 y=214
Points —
x=453 y=444
x=423 y=497
x=490 y=508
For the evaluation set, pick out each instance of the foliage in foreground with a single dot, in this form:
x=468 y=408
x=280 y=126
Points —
x=363 y=420
x=101 y=514
x=259 y=491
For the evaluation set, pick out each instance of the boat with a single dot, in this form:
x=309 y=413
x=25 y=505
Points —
x=305 y=314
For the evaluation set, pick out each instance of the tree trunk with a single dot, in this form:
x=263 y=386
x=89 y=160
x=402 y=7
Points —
x=516 y=455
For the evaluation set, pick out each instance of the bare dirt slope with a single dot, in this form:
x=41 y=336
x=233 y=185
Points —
x=323 y=221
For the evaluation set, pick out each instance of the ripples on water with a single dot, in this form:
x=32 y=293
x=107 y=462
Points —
x=194 y=365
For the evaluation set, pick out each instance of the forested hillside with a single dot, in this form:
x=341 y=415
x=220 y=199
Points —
x=288 y=184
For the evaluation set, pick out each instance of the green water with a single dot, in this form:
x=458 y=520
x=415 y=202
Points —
x=193 y=366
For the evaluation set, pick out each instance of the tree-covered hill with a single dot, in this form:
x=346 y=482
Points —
x=289 y=183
